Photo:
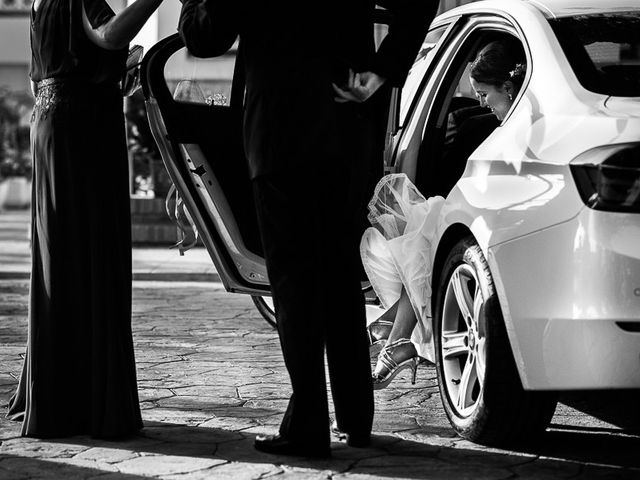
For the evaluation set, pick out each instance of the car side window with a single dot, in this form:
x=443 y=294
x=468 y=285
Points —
x=419 y=69
x=201 y=80
x=458 y=123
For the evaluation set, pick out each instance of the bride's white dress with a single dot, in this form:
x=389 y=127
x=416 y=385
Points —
x=398 y=248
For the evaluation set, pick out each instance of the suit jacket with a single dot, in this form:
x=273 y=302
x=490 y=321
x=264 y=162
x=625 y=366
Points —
x=292 y=53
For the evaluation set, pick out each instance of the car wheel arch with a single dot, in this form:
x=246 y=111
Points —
x=459 y=247
x=453 y=234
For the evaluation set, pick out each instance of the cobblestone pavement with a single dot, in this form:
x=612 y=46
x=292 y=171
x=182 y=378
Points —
x=211 y=377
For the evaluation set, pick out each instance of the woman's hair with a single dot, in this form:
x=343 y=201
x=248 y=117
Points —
x=499 y=61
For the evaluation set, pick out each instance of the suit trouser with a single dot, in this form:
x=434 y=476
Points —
x=310 y=228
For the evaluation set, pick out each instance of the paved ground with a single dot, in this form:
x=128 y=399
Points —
x=211 y=377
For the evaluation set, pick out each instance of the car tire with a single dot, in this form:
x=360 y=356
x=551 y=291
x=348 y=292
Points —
x=479 y=383
x=265 y=307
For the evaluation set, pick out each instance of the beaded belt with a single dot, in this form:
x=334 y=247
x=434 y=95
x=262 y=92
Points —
x=53 y=92
x=48 y=96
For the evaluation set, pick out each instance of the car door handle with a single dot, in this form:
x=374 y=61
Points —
x=199 y=170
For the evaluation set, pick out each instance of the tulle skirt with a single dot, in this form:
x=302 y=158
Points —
x=397 y=250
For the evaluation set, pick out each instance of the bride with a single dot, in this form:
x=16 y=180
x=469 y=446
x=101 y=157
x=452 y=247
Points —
x=397 y=249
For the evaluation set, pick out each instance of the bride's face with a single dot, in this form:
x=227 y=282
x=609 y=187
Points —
x=496 y=98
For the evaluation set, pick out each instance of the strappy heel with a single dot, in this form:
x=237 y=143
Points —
x=378 y=332
x=392 y=360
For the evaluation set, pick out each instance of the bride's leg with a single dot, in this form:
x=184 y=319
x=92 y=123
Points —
x=378 y=331
x=405 y=318
x=398 y=352
x=384 y=278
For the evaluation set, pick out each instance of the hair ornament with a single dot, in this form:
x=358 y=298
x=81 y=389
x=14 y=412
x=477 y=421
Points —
x=518 y=71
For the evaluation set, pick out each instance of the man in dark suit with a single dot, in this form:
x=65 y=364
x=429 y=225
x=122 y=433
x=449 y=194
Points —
x=312 y=108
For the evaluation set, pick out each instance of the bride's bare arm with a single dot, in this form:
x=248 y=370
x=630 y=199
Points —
x=119 y=30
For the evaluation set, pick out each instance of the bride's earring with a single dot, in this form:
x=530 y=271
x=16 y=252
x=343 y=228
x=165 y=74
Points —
x=510 y=98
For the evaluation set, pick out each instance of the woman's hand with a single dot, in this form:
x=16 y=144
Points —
x=119 y=30
x=360 y=86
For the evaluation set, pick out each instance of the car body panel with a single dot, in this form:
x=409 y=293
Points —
x=181 y=129
x=517 y=186
x=548 y=8
x=563 y=8
x=564 y=303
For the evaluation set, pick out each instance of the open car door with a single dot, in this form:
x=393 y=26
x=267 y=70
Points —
x=195 y=109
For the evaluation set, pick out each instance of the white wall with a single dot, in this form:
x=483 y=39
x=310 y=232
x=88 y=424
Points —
x=15 y=52
x=14 y=39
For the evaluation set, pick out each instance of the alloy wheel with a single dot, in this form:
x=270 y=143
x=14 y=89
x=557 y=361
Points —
x=463 y=338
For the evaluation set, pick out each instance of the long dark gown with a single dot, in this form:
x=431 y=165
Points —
x=79 y=373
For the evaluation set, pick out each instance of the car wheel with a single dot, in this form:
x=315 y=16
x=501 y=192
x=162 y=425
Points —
x=478 y=380
x=265 y=307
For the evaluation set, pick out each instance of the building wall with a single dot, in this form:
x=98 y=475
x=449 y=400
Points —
x=14 y=51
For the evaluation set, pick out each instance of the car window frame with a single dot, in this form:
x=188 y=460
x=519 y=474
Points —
x=404 y=156
x=485 y=22
x=450 y=24
x=394 y=129
x=446 y=30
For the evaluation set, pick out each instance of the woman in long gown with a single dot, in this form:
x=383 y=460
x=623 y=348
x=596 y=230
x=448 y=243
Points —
x=79 y=374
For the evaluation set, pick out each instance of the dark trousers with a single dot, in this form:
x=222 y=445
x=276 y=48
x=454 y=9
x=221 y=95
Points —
x=310 y=227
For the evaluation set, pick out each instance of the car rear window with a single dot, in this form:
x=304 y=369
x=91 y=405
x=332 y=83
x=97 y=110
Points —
x=603 y=50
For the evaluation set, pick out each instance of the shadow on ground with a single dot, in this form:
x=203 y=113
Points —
x=617 y=407
x=174 y=449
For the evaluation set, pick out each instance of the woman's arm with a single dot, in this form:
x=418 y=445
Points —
x=119 y=30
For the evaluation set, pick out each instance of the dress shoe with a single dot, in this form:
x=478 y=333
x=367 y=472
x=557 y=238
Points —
x=279 y=445
x=353 y=440
x=395 y=357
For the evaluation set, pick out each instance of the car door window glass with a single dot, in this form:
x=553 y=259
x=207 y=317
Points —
x=419 y=69
x=201 y=80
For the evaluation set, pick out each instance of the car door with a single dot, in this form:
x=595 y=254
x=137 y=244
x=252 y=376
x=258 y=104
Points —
x=405 y=101
x=195 y=109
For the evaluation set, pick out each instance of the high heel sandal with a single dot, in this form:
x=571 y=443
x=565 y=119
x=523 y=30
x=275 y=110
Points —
x=378 y=331
x=392 y=360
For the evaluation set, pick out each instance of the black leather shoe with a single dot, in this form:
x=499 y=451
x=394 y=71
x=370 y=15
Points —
x=337 y=432
x=353 y=440
x=358 y=441
x=279 y=445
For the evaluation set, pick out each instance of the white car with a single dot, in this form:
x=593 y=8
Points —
x=536 y=283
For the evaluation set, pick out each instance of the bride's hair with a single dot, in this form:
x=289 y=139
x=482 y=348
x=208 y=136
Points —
x=499 y=61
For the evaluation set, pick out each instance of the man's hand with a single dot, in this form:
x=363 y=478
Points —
x=360 y=86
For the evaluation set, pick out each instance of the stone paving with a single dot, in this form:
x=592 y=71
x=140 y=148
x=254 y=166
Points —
x=211 y=377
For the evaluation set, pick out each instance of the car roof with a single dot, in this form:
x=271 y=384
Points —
x=555 y=8
x=564 y=8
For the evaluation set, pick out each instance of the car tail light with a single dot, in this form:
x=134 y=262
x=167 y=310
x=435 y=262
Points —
x=608 y=177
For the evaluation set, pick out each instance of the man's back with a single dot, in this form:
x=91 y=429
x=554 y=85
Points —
x=282 y=33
